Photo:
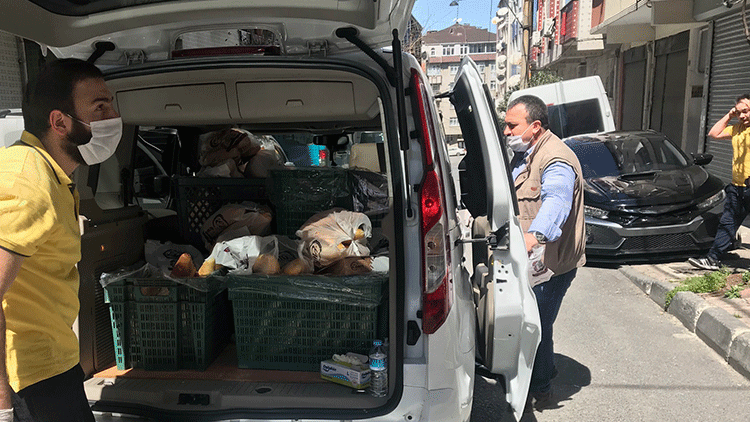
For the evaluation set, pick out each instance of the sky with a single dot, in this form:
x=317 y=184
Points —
x=439 y=14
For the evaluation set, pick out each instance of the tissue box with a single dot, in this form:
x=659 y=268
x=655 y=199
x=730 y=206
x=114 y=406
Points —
x=350 y=375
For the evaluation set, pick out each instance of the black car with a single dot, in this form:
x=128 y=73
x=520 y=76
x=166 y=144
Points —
x=644 y=199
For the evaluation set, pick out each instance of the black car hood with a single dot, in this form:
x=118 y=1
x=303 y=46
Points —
x=652 y=193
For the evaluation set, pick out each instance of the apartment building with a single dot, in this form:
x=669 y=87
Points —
x=442 y=52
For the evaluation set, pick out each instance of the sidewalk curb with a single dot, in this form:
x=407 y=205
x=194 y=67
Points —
x=717 y=328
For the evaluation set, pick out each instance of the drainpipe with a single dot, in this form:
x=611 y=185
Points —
x=526 y=43
x=648 y=101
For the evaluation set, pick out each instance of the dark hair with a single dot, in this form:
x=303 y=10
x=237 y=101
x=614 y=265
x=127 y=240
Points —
x=745 y=96
x=53 y=90
x=535 y=109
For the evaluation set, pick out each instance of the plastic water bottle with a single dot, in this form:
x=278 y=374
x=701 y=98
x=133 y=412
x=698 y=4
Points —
x=378 y=370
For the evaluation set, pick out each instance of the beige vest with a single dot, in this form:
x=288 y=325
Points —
x=567 y=252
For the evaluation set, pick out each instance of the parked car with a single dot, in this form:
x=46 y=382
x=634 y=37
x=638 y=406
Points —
x=645 y=199
x=294 y=70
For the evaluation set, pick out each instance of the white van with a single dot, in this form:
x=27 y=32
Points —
x=576 y=106
x=11 y=125
x=318 y=73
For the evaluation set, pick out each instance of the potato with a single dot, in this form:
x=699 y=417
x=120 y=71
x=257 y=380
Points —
x=207 y=268
x=266 y=264
x=296 y=267
x=184 y=267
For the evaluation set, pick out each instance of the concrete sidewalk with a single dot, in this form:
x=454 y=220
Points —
x=723 y=324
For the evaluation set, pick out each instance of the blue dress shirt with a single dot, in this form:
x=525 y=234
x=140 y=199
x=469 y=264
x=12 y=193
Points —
x=558 y=180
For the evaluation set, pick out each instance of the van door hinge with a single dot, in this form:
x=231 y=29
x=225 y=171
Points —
x=135 y=57
x=317 y=48
x=494 y=240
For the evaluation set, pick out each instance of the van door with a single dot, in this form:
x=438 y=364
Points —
x=508 y=319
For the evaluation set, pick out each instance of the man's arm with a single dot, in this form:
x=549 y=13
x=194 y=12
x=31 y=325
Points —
x=10 y=264
x=717 y=131
x=558 y=181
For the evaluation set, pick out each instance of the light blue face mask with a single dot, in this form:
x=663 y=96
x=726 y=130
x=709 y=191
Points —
x=516 y=143
x=105 y=136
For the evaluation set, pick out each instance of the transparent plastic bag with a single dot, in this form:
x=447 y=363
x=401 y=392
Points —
x=538 y=271
x=332 y=235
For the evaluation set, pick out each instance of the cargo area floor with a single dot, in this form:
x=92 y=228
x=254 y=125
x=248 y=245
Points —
x=221 y=386
x=224 y=368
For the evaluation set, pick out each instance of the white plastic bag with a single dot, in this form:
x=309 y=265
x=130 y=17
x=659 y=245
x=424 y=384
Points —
x=240 y=253
x=334 y=234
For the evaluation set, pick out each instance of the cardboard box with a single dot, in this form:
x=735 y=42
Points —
x=350 y=375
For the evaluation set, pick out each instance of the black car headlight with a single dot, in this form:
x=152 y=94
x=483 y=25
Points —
x=712 y=201
x=595 y=212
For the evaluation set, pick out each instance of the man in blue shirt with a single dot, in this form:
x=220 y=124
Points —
x=549 y=188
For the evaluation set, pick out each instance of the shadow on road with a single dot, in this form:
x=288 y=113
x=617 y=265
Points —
x=571 y=377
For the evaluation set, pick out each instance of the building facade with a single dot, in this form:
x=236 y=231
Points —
x=442 y=52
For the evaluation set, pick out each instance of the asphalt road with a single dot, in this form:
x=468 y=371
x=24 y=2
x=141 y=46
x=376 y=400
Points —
x=621 y=358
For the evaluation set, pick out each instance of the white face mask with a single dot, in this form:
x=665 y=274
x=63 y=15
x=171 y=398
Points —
x=105 y=136
x=516 y=143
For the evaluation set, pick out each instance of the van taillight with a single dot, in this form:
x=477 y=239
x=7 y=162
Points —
x=437 y=286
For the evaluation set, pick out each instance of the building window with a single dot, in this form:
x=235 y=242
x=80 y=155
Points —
x=432 y=52
x=464 y=50
x=448 y=50
x=493 y=85
x=435 y=88
x=481 y=67
x=453 y=121
x=454 y=69
x=433 y=70
x=492 y=67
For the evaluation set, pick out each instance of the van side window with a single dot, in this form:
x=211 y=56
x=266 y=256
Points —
x=575 y=118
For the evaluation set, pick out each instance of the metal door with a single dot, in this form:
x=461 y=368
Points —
x=729 y=78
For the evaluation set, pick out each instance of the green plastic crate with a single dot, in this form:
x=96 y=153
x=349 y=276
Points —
x=299 y=193
x=161 y=325
x=291 y=333
x=199 y=198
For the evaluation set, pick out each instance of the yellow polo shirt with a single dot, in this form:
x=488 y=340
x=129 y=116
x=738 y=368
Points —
x=39 y=220
x=741 y=153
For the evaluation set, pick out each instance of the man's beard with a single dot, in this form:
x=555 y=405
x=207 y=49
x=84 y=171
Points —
x=79 y=135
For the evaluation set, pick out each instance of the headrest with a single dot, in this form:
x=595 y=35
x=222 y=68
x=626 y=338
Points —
x=368 y=156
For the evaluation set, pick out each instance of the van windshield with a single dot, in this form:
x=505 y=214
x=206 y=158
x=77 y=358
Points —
x=575 y=118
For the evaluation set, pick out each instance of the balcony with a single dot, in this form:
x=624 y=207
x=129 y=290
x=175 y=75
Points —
x=569 y=22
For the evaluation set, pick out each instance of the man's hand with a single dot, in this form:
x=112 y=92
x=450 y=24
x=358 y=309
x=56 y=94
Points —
x=733 y=113
x=530 y=240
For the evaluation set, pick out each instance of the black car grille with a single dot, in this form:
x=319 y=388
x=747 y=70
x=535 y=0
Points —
x=658 y=242
x=601 y=236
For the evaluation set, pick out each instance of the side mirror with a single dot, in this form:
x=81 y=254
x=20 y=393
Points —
x=702 y=159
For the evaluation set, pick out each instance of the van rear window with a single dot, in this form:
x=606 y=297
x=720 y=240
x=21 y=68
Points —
x=575 y=118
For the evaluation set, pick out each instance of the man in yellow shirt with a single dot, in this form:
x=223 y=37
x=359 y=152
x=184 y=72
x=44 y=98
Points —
x=70 y=121
x=737 y=205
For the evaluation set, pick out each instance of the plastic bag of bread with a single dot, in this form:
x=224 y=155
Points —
x=248 y=255
x=247 y=218
x=165 y=255
x=351 y=265
x=332 y=235
x=270 y=156
x=227 y=144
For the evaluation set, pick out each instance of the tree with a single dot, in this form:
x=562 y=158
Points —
x=541 y=77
